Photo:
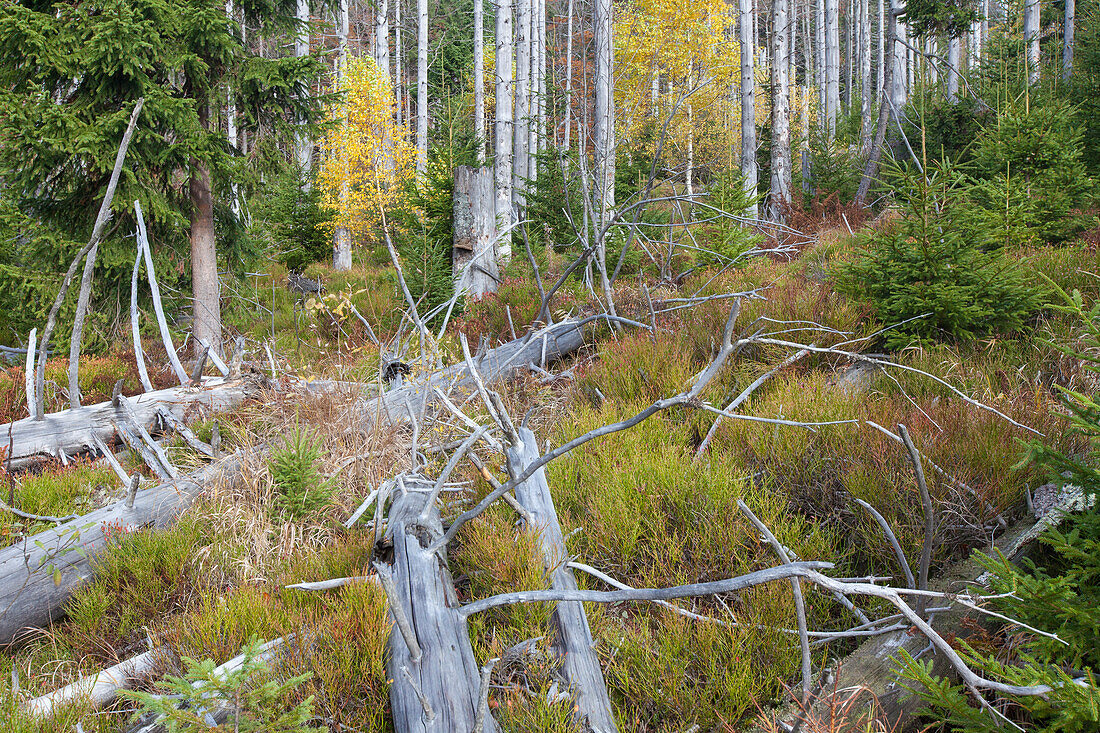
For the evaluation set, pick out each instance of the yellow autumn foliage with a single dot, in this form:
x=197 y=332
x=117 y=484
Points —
x=366 y=157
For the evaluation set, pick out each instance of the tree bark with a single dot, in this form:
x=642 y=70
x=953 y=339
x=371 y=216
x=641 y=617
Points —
x=602 y=16
x=522 y=126
x=422 y=106
x=502 y=127
x=206 y=311
x=479 y=79
x=866 y=91
x=474 y=255
x=822 y=54
x=780 y=192
x=341 y=239
x=303 y=144
x=952 y=69
x=1031 y=39
x=1067 y=39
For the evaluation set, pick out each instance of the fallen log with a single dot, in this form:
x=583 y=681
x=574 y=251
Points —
x=38 y=575
x=74 y=430
x=100 y=688
x=545 y=345
x=573 y=644
x=436 y=679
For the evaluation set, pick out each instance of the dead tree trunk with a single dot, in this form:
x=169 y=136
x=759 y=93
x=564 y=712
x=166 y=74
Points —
x=38 y=575
x=573 y=645
x=435 y=685
x=474 y=257
x=73 y=431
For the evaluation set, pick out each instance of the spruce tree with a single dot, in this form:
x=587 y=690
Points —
x=71 y=73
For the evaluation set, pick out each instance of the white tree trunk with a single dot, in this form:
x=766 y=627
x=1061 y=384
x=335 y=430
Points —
x=502 y=129
x=819 y=69
x=1031 y=39
x=832 y=65
x=932 y=47
x=538 y=97
x=522 y=126
x=882 y=31
x=206 y=322
x=479 y=78
x=422 y=106
x=303 y=144
x=399 y=84
x=952 y=69
x=341 y=240
x=866 y=87
x=568 y=75
x=231 y=126
x=381 y=35
x=1067 y=39
x=901 y=70
x=748 y=102
x=781 y=131
x=605 y=109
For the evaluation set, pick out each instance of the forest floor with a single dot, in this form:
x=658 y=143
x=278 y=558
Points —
x=644 y=505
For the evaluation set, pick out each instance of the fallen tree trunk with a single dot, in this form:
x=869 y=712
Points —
x=99 y=688
x=435 y=680
x=546 y=345
x=573 y=645
x=73 y=431
x=38 y=575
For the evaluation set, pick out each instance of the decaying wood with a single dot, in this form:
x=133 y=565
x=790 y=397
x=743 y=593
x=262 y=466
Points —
x=474 y=254
x=154 y=289
x=573 y=645
x=134 y=441
x=98 y=689
x=396 y=405
x=38 y=574
x=32 y=403
x=189 y=437
x=439 y=690
x=135 y=329
x=72 y=431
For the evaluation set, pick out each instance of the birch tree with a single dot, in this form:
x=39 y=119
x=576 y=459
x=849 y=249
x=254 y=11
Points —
x=748 y=101
x=780 y=192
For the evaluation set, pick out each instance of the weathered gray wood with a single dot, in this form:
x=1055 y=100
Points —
x=139 y=352
x=71 y=430
x=38 y=575
x=184 y=432
x=85 y=295
x=32 y=403
x=573 y=644
x=446 y=675
x=556 y=341
x=99 y=688
x=134 y=441
x=158 y=307
x=135 y=420
x=475 y=232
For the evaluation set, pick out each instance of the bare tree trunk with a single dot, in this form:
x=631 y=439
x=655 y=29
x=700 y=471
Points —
x=882 y=32
x=502 y=152
x=819 y=38
x=206 y=311
x=1067 y=40
x=866 y=90
x=381 y=35
x=899 y=61
x=832 y=65
x=871 y=168
x=952 y=69
x=474 y=255
x=538 y=87
x=568 y=74
x=605 y=109
x=231 y=125
x=781 y=128
x=421 y=85
x=341 y=249
x=303 y=145
x=522 y=124
x=399 y=84
x=1031 y=39
x=479 y=79
x=748 y=102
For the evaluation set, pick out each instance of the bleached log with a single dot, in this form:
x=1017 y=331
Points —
x=497 y=364
x=573 y=644
x=99 y=689
x=135 y=330
x=29 y=376
x=189 y=437
x=38 y=575
x=154 y=289
x=439 y=691
x=135 y=443
x=72 y=430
